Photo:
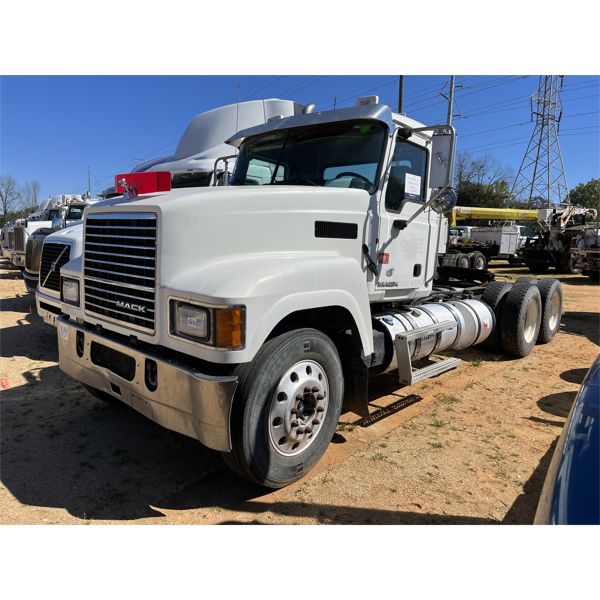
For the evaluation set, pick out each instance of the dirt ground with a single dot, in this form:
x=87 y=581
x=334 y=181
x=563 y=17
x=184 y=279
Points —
x=471 y=446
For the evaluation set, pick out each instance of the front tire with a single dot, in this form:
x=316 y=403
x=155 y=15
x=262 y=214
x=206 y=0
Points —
x=286 y=408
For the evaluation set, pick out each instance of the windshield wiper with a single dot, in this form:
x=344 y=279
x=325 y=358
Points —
x=279 y=157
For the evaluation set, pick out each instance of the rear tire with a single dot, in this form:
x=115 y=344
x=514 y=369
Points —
x=538 y=267
x=567 y=265
x=463 y=261
x=521 y=319
x=552 y=300
x=274 y=417
x=478 y=261
x=494 y=296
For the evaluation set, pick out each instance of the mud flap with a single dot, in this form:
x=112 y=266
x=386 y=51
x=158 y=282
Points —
x=356 y=376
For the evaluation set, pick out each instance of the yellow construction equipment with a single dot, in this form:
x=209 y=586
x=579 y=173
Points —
x=461 y=213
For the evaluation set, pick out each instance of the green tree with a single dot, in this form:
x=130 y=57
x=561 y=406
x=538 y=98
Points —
x=481 y=181
x=587 y=194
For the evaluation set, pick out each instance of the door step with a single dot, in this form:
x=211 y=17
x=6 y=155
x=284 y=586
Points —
x=407 y=374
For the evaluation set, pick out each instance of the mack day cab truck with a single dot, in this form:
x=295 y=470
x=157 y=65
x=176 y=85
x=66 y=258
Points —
x=245 y=316
x=195 y=163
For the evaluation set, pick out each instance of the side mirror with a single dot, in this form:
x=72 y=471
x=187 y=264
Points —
x=57 y=223
x=445 y=203
x=442 y=158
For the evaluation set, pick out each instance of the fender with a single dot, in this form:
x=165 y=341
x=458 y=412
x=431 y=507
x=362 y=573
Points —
x=274 y=285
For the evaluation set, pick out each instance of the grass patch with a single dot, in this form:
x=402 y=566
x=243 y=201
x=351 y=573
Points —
x=383 y=445
x=470 y=385
x=477 y=362
x=436 y=444
x=437 y=422
x=448 y=399
x=378 y=456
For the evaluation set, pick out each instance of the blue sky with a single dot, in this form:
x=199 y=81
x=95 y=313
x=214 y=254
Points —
x=53 y=127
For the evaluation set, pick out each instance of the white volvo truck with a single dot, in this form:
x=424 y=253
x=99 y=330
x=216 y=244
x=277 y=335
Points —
x=194 y=164
x=246 y=316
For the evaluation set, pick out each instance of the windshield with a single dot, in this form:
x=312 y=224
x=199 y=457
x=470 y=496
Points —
x=53 y=214
x=75 y=213
x=345 y=154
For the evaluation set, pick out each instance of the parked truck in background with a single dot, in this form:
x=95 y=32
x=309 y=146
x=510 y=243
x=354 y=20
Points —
x=49 y=210
x=194 y=164
x=246 y=316
x=585 y=250
x=71 y=215
x=552 y=249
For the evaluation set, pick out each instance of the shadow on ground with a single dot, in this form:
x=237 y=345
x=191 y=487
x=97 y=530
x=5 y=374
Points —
x=574 y=375
x=63 y=448
x=523 y=508
x=586 y=324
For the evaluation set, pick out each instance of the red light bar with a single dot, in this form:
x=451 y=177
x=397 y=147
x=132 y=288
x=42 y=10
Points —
x=143 y=183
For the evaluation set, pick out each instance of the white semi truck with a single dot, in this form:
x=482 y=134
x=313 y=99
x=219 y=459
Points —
x=52 y=208
x=71 y=214
x=247 y=316
x=194 y=164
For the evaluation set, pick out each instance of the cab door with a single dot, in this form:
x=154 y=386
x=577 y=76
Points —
x=403 y=257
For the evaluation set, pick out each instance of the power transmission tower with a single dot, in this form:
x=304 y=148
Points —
x=541 y=178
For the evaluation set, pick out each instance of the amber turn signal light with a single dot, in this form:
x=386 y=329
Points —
x=229 y=327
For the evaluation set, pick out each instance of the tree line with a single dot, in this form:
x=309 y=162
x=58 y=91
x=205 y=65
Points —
x=484 y=181
x=18 y=201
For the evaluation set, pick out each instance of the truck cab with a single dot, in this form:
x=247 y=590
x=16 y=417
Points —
x=246 y=315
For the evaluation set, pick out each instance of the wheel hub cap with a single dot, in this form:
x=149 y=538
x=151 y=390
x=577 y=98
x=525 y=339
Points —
x=298 y=407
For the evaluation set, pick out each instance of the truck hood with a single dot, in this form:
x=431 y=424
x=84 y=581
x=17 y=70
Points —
x=221 y=224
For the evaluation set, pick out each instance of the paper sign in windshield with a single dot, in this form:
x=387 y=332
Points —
x=412 y=186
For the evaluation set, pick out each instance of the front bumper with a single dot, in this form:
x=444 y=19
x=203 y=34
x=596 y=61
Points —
x=186 y=401
x=31 y=281
x=48 y=307
x=18 y=259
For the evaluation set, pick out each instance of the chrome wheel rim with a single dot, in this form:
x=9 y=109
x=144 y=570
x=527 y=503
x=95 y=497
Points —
x=531 y=317
x=298 y=408
x=554 y=311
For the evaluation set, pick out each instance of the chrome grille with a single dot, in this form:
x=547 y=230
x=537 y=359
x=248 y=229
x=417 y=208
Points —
x=120 y=267
x=20 y=239
x=54 y=256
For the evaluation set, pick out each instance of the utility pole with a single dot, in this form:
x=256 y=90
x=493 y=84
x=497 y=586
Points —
x=401 y=94
x=541 y=176
x=89 y=183
x=450 y=100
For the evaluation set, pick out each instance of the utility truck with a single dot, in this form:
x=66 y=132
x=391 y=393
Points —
x=198 y=161
x=553 y=247
x=248 y=316
x=585 y=250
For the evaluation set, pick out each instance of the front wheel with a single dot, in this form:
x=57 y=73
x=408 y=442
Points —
x=286 y=408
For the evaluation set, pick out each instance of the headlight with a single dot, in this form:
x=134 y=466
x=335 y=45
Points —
x=191 y=321
x=219 y=327
x=70 y=291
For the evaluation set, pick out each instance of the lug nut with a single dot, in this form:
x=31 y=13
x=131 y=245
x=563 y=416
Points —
x=294 y=423
x=320 y=409
x=314 y=389
x=308 y=430
x=316 y=421
x=299 y=431
x=320 y=397
x=294 y=411
x=306 y=390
